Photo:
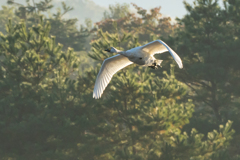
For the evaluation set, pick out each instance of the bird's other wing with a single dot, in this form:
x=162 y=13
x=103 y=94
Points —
x=159 y=46
x=109 y=67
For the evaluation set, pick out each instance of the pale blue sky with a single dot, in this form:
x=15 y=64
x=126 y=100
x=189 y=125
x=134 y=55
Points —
x=172 y=8
x=94 y=9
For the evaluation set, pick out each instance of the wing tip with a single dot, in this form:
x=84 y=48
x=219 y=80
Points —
x=181 y=66
x=96 y=96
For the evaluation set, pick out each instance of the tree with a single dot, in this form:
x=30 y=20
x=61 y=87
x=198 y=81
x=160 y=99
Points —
x=42 y=113
x=65 y=30
x=144 y=24
x=207 y=43
x=5 y=14
x=117 y=11
x=46 y=105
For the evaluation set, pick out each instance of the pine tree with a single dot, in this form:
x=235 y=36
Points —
x=117 y=11
x=42 y=103
x=47 y=110
x=6 y=13
x=66 y=30
x=207 y=41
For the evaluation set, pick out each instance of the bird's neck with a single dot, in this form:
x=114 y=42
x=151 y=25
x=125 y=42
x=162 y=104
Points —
x=115 y=50
x=124 y=53
x=121 y=52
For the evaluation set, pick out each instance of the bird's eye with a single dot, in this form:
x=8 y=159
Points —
x=140 y=58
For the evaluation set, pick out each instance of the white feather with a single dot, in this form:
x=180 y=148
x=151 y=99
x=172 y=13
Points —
x=109 y=67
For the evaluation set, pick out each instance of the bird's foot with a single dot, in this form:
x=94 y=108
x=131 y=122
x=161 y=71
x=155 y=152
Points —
x=153 y=67
x=156 y=64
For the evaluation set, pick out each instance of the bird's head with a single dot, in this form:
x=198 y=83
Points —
x=111 y=50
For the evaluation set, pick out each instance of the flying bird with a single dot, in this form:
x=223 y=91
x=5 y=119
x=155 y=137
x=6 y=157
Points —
x=142 y=55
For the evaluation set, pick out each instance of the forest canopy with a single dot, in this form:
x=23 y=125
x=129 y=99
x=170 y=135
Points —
x=48 y=67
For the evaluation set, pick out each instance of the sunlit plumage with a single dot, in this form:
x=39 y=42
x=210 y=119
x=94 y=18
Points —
x=142 y=55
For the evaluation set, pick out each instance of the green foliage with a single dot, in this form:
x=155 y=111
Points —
x=31 y=11
x=211 y=148
x=40 y=100
x=65 y=30
x=46 y=105
x=209 y=45
x=106 y=40
x=117 y=11
x=5 y=14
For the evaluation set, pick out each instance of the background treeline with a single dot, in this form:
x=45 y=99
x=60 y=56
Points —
x=48 y=66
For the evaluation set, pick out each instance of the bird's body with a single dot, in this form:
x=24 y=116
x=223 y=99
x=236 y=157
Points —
x=138 y=56
x=142 y=55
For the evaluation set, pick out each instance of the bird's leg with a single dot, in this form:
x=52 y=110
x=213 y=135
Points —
x=156 y=64
x=153 y=67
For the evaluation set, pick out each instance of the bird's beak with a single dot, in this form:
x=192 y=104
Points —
x=108 y=50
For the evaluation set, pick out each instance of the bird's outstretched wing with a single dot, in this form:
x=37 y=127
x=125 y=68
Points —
x=159 y=46
x=109 y=67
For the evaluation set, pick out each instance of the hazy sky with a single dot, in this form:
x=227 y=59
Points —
x=172 y=8
x=94 y=9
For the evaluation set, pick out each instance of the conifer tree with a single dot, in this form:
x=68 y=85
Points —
x=66 y=30
x=47 y=110
x=6 y=13
x=42 y=113
x=231 y=13
x=117 y=11
x=208 y=42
